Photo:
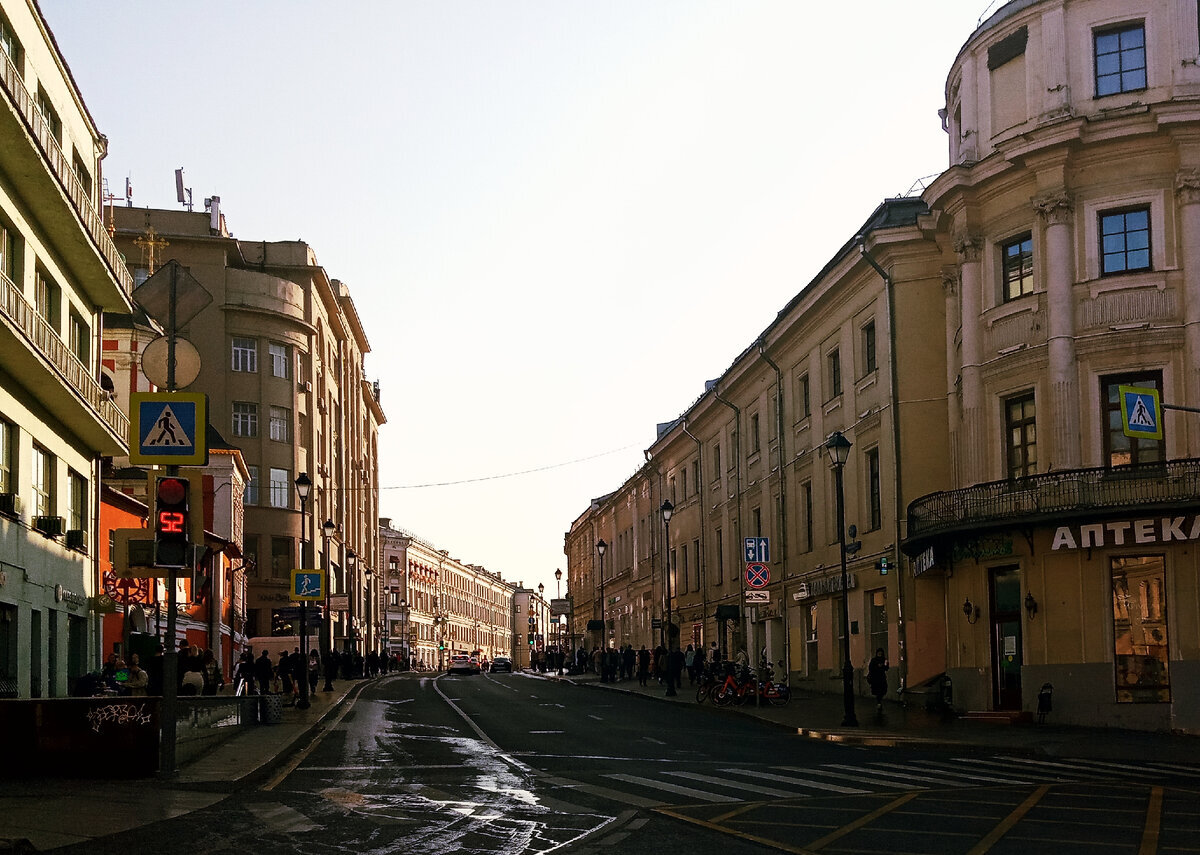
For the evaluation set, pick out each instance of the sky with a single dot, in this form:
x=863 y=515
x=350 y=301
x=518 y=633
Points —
x=557 y=220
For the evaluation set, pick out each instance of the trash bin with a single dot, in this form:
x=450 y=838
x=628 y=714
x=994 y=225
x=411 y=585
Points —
x=248 y=709
x=271 y=709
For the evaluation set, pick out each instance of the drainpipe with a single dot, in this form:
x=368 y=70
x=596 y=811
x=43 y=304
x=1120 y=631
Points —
x=894 y=405
x=781 y=517
x=737 y=456
x=701 y=488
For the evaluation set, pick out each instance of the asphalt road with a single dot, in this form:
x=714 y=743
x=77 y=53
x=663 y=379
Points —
x=513 y=763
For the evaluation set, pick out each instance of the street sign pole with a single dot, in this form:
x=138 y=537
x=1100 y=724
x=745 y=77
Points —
x=170 y=653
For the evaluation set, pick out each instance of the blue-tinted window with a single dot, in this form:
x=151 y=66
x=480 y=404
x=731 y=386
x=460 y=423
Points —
x=1125 y=241
x=1121 y=60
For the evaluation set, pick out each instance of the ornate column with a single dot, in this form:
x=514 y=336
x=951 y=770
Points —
x=972 y=437
x=1055 y=210
x=950 y=287
x=1187 y=196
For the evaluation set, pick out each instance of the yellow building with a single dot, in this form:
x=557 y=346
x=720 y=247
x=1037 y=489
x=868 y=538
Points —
x=58 y=271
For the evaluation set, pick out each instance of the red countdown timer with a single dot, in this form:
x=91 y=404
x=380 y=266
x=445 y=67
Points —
x=171 y=522
x=172 y=508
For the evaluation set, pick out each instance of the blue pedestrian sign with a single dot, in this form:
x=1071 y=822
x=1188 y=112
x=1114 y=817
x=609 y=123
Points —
x=1141 y=412
x=168 y=428
x=758 y=549
x=308 y=586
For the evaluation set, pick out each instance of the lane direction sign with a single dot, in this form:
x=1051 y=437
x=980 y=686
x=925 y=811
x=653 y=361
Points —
x=758 y=550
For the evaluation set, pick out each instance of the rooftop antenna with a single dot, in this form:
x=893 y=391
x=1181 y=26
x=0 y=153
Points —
x=110 y=197
x=183 y=194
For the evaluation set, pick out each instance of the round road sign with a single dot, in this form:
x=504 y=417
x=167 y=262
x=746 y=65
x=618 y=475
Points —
x=758 y=575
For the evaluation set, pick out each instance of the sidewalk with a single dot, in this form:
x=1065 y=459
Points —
x=819 y=716
x=41 y=814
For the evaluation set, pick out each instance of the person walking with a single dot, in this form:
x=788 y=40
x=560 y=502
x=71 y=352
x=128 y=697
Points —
x=689 y=662
x=643 y=665
x=877 y=679
x=243 y=675
x=264 y=671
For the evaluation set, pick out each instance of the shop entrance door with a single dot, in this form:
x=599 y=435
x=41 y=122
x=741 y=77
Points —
x=1006 y=637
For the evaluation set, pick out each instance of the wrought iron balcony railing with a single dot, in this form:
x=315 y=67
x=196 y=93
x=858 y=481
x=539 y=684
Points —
x=43 y=339
x=1069 y=493
x=59 y=164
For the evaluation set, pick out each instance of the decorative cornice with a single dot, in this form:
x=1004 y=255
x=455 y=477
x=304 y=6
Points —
x=950 y=281
x=1055 y=209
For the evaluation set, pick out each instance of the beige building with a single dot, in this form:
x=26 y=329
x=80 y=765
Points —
x=282 y=352
x=59 y=271
x=435 y=605
x=972 y=346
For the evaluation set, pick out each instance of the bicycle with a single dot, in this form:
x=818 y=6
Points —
x=708 y=682
x=777 y=693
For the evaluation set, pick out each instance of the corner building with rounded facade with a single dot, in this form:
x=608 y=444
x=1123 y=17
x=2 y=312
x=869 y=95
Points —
x=1069 y=220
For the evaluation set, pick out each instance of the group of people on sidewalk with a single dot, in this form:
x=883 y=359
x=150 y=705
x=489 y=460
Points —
x=666 y=666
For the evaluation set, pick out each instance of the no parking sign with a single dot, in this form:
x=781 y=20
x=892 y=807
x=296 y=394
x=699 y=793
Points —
x=758 y=575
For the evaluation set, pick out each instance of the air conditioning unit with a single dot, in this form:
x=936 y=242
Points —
x=10 y=504
x=49 y=526
x=75 y=539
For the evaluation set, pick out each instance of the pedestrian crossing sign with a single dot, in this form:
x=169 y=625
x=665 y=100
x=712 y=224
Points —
x=168 y=428
x=308 y=586
x=1141 y=412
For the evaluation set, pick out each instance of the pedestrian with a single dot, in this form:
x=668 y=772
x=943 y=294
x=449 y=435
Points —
x=877 y=679
x=675 y=661
x=210 y=674
x=191 y=680
x=138 y=680
x=628 y=661
x=689 y=662
x=660 y=663
x=264 y=672
x=314 y=672
x=643 y=665
x=243 y=674
x=283 y=670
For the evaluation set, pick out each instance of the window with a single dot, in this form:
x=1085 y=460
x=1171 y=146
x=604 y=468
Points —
x=1120 y=450
x=683 y=482
x=802 y=397
x=683 y=576
x=810 y=640
x=46 y=299
x=716 y=458
x=696 y=552
x=245 y=418
x=8 y=253
x=77 y=519
x=281 y=488
x=1017 y=263
x=672 y=489
x=1124 y=241
x=281 y=424
x=9 y=46
x=1120 y=59
x=281 y=557
x=79 y=338
x=696 y=473
x=720 y=568
x=873 y=489
x=868 y=343
x=756 y=521
x=43 y=482
x=279 y=359
x=754 y=439
x=806 y=524
x=1140 y=629
x=245 y=355
x=82 y=173
x=8 y=456
x=49 y=114
x=835 y=373
x=1021 y=432
x=251 y=497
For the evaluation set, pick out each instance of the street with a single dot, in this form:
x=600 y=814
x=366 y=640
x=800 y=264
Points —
x=512 y=763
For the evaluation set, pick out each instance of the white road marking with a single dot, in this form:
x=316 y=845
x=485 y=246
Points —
x=702 y=795
x=278 y=817
x=816 y=785
x=928 y=765
x=842 y=776
x=734 y=785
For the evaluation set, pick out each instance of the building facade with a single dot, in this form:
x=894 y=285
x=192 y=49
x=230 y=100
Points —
x=59 y=270
x=281 y=351
x=971 y=344
x=434 y=605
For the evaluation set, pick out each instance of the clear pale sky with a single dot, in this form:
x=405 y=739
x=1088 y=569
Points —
x=556 y=219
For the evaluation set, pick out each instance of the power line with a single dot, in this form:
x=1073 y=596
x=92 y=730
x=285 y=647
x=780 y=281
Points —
x=511 y=474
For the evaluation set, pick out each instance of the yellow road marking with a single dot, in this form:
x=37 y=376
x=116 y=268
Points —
x=737 y=811
x=861 y=821
x=1009 y=821
x=1153 y=822
x=711 y=826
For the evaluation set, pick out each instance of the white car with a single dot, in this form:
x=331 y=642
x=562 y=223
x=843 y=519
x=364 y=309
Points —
x=461 y=664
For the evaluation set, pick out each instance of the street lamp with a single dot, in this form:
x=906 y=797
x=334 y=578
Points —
x=328 y=529
x=351 y=583
x=839 y=451
x=404 y=630
x=558 y=584
x=303 y=488
x=667 y=509
x=368 y=610
x=601 y=546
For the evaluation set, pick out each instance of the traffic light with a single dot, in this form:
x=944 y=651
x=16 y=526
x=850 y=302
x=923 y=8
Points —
x=171 y=522
x=530 y=638
x=441 y=645
x=883 y=566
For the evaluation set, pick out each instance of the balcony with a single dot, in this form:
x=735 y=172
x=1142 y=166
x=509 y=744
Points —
x=44 y=177
x=1156 y=488
x=32 y=352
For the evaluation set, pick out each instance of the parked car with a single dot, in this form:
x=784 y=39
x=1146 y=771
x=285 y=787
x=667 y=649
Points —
x=461 y=664
x=501 y=663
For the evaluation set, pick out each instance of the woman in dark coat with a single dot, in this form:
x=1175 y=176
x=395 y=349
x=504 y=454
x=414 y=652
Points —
x=877 y=670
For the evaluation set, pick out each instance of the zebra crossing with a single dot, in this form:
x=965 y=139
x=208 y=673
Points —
x=734 y=784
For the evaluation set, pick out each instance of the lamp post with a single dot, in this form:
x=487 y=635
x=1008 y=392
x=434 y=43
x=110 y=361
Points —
x=368 y=610
x=404 y=630
x=839 y=451
x=351 y=584
x=303 y=488
x=558 y=584
x=601 y=546
x=328 y=529
x=667 y=509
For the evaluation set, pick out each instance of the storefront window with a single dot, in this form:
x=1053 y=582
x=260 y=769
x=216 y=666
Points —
x=1140 y=629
